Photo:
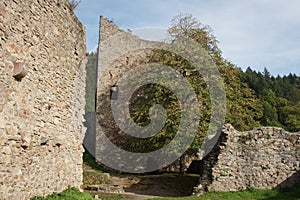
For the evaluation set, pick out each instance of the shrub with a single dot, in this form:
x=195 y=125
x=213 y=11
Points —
x=74 y=3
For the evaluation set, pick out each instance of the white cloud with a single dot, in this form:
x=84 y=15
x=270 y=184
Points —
x=151 y=33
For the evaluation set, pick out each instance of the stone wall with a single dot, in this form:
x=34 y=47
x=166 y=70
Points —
x=110 y=72
x=263 y=158
x=41 y=114
x=108 y=75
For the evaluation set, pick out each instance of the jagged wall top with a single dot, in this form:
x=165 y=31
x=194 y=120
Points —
x=266 y=158
x=107 y=29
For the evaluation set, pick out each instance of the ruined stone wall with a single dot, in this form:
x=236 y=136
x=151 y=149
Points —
x=109 y=74
x=41 y=115
x=264 y=158
x=107 y=29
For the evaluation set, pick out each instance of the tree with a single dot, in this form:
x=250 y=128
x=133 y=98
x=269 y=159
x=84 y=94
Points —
x=189 y=26
x=244 y=110
x=266 y=73
x=291 y=117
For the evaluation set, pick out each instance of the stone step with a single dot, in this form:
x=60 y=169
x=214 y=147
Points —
x=106 y=188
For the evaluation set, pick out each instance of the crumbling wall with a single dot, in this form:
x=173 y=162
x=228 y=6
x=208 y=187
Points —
x=41 y=114
x=264 y=158
x=109 y=75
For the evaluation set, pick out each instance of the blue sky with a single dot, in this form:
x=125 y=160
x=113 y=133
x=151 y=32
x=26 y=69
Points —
x=255 y=33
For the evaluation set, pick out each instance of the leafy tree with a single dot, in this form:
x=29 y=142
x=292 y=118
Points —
x=189 y=26
x=244 y=110
x=291 y=117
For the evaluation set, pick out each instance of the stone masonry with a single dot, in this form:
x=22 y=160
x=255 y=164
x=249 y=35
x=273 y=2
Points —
x=109 y=76
x=264 y=158
x=42 y=70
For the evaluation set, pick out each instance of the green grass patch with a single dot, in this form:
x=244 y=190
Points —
x=75 y=194
x=69 y=194
x=251 y=194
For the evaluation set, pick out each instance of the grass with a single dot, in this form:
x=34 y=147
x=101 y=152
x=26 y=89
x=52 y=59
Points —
x=69 y=194
x=75 y=194
x=251 y=194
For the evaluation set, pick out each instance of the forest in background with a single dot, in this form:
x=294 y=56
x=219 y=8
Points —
x=279 y=97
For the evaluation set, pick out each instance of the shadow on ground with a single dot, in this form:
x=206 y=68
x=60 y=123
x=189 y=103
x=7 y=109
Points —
x=164 y=185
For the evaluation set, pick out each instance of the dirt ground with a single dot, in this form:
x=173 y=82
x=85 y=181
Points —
x=142 y=186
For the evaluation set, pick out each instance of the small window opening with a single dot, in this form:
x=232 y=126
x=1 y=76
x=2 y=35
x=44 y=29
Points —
x=114 y=92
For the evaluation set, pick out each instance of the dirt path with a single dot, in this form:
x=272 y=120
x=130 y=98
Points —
x=142 y=186
x=123 y=196
x=137 y=187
